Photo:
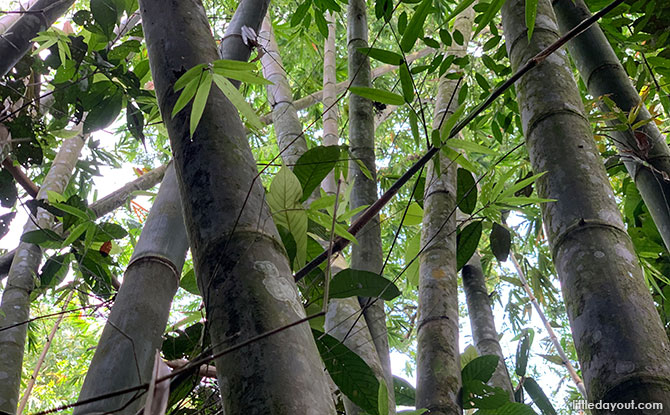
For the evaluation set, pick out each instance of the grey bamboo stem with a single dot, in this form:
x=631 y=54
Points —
x=125 y=353
x=367 y=255
x=620 y=341
x=105 y=205
x=552 y=334
x=15 y=306
x=242 y=269
x=603 y=74
x=288 y=128
x=17 y=40
x=330 y=115
x=438 y=358
x=482 y=323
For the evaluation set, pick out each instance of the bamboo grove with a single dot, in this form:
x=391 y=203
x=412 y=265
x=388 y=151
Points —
x=318 y=188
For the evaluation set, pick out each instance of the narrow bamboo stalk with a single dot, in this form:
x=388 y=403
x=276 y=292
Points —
x=438 y=358
x=482 y=323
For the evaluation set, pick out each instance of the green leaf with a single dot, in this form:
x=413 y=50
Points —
x=200 y=100
x=501 y=241
x=75 y=233
x=522 y=354
x=414 y=126
x=468 y=355
x=480 y=368
x=185 y=97
x=538 y=396
x=327 y=222
x=458 y=158
x=466 y=191
x=382 y=55
x=105 y=14
x=414 y=215
x=284 y=202
x=406 y=83
x=81 y=214
x=300 y=13
x=415 y=26
x=431 y=43
x=555 y=359
x=508 y=191
x=469 y=146
x=313 y=166
x=447 y=125
x=461 y=6
x=242 y=76
x=321 y=24
x=108 y=231
x=103 y=114
x=379 y=95
x=238 y=101
x=466 y=243
x=531 y=13
x=54 y=271
x=405 y=394
x=350 y=282
x=189 y=76
x=491 y=11
x=189 y=283
x=413 y=412
x=383 y=399
x=458 y=37
x=411 y=251
x=445 y=37
x=349 y=372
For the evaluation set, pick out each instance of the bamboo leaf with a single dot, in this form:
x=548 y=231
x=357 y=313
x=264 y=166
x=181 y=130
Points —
x=232 y=65
x=447 y=125
x=522 y=354
x=414 y=215
x=538 y=396
x=188 y=77
x=415 y=26
x=470 y=146
x=520 y=185
x=382 y=55
x=501 y=241
x=75 y=233
x=200 y=100
x=466 y=191
x=491 y=11
x=461 y=6
x=185 y=97
x=466 y=243
x=327 y=222
x=531 y=13
x=406 y=83
x=411 y=251
x=379 y=95
x=242 y=76
x=352 y=282
x=238 y=101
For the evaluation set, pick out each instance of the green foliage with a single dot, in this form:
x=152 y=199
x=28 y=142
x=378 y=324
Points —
x=351 y=282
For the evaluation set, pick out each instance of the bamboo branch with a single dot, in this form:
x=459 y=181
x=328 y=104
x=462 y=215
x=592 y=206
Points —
x=43 y=354
x=340 y=243
x=552 y=334
x=20 y=177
